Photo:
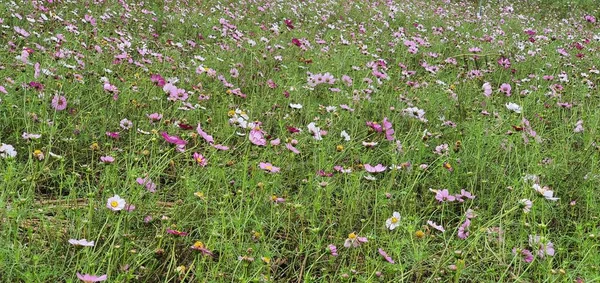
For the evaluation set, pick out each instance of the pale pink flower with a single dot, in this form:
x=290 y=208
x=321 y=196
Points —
x=436 y=226
x=374 y=169
x=200 y=159
x=354 y=240
x=59 y=102
x=82 y=242
x=107 y=159
x=269 y=167
x=386 y=256
x=87 y=278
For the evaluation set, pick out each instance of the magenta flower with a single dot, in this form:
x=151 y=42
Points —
x=386 y=256
x=59 y=102
x=375 y=126
x=444 y=195
x=200 y=159
x=333 y=249
x=158 y=80
x=374 y=169
x=204 y=135
x=173 y=139
x=269 y=167
x=114 y=135
x=87 y=278
x=177 y=233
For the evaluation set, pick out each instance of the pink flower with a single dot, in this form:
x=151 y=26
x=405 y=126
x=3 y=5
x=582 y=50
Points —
x=220 y=147
x=375 y=126
x=204 y=135
x=256 y=137
x=544 y=246
x=275 y=142
x=444 y=195
x=505 y=88
x=154 y=117
x=354 y=240
x=386 y=256
x=463 y=231
x=374 y=169
x=158 y=80
x=114 y=135
x=487 y=89
x=389 y=131
x=526 y=254
x=200 y=159
x=177 y=233
x=436 y=226
x=333 y=250
x=107 y=159
x=292 y=148
x=147 y=182
x=269 y=167
x=464 y=194
x=86 y=278
x=173 y=139
x=59 y=102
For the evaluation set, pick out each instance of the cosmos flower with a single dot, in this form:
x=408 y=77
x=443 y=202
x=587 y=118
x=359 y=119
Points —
x=544 y=247
x=524 y=253
x=87 y=278
x=177 y=233
x=82 y=242
x=59 y=102
x=268 y=167
x=200 y=159
x=385 y=256
x=394 y=221
x=115 y=203
x=443 y=195
x=354 y=240
x=374 y=169
x=526 y=205
x=333 y=249
x=513 y=107
x=436 y=226
x=7 y=151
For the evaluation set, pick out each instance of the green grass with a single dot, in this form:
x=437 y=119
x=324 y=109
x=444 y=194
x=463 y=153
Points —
x=44 y=203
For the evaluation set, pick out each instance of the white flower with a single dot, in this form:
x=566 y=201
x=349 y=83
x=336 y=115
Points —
x=82 y=242
x=330 y=108
x=115 y=203
x=514 y=107
x=296 y=105
x=345 y=136
x=7 y=151
x=393 y=221
x=316 y=131
x=545 y=191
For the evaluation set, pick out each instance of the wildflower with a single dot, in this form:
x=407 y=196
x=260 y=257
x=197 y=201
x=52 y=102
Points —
x=436 y=226
x=269 y=167
x=199 y=246
x=256 y=137
x=200 y=159
x=375 y=126
x=38 y=154
x=316 y=131
x=107 y=159
x=525 y=254
x=389 y=131
x=526 y=205
x=487 y=89
x=393 y=222
x=277 y=199
x=463 y=194
x=419 y=234
x=333 y=250
x=208 y=138
x=296 y=106
x=292 y=148
x=513 y=107
x=82 y=242
x=125 y=124
x=59 y=102
x=154 y=117
x=354 y=241
x=177 y=233
x=386 y=256
x=544 y=246
x=578 y=126
x=545 y=191
x=443 y=195
x=86 y=278
x=115 y=203
x=505 y=88
x=374 y=169
x=7 y=151
x=463 y=232
x=28 y=136
x=147 y=182
x=114 y=135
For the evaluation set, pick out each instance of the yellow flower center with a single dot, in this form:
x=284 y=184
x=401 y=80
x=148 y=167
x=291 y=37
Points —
x=339 y=147
x=269 y=167
x=228 y=91
x=352 y=236
x=394 y=220
x=37 y=152
x=114 y=203
x=230 y=113
x=200 y=159
x=198 y=245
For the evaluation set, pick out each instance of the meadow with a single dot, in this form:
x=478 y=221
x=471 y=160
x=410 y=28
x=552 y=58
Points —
x=299 y=141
